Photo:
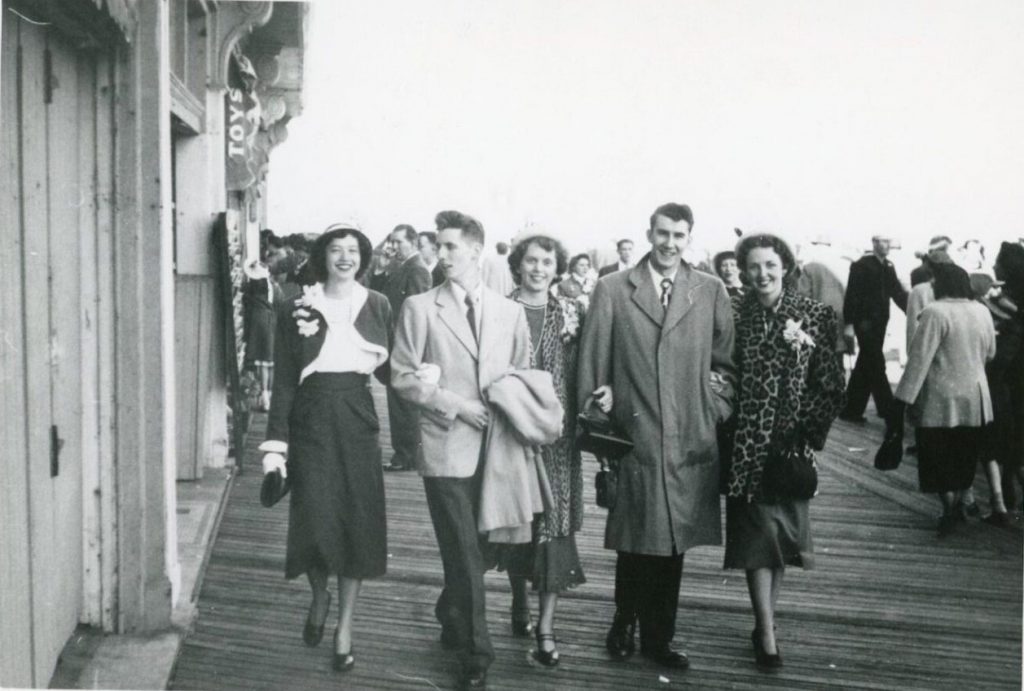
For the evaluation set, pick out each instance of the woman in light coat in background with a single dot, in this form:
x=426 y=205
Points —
x=945 y=386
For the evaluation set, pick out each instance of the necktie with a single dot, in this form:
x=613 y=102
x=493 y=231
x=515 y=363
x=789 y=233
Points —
x=471 y=316
x=666 y=292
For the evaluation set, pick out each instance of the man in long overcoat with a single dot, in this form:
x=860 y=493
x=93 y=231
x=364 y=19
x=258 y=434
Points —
x=657 y=346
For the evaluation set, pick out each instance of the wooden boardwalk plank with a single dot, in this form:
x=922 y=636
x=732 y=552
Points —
x=889 y=605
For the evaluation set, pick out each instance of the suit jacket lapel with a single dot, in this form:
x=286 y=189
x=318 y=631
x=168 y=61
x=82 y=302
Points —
x=681 y=300
x=644 y=294
x=451 y=313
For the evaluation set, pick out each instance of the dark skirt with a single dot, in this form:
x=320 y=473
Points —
x=552 y=566
x=336 y=519
x=767 y=536
x=947 y=457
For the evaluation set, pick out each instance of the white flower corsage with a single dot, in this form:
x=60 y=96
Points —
x=571 y=316
x=312 y=299
x=796 y=337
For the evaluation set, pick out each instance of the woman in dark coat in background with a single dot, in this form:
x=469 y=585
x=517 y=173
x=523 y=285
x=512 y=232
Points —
x=1005 y=437
x=329 y=341
x=791 y=389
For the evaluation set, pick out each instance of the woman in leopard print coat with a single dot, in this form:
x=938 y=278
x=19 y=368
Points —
x=791 y=388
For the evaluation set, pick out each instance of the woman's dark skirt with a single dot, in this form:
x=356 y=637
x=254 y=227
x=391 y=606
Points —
x=767 y=536
x=552 y=566
x=336 y=520
x=947 y=457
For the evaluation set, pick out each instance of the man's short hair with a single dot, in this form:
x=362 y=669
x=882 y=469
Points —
x=674 y=212
x=470 y=227
x=410 y=233
x=625 y=241
x=430 y=235
x=502 y=248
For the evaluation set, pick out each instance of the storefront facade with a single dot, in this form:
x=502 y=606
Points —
x=113 y=160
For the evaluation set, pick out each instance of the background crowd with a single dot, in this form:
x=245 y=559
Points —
x=736 y=401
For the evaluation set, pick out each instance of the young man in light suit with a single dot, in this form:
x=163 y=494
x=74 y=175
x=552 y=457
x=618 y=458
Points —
x=451 y=343
x=657 y=353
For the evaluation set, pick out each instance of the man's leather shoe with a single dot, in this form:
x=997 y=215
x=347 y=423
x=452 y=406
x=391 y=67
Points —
x=849 y=417
x=475 y=680
x=392 y=468
x=620 y=641
x=449 y=641
x=667 y=657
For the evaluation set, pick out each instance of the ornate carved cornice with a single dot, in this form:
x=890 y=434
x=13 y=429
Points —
x=234 y=21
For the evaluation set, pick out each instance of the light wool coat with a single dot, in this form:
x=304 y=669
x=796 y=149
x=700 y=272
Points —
x=944 y=380
x=659 y=368
x=432 y=328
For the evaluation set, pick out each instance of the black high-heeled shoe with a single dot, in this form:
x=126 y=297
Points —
x=761 y=657
x=548 y=658
x=313 y=632
x=522 y=623
x=343 y=662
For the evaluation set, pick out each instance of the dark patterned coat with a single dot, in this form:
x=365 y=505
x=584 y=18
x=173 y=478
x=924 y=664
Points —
x=559 y=354
x=788 y=394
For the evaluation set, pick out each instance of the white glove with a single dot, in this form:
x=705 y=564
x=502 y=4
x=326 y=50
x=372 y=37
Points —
x=431 y=374
x=274 y=461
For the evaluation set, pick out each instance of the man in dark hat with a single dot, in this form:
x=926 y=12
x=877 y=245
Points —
x=872 y=284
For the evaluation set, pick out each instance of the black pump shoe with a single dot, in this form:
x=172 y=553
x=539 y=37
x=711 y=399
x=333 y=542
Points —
x=762 y=659
x=343 y=662
x=313 y=632
x=548 y=658
x=522 y=623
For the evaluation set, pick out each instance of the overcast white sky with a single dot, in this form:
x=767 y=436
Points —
x=814 y=117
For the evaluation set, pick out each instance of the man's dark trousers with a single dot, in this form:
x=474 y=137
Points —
x=648 y=586
x=403 y=417
x=868 y=377
x=454 y=503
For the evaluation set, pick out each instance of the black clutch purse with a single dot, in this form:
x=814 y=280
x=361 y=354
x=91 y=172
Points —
x=599 y=435
x=274 y=487
x=789 y=473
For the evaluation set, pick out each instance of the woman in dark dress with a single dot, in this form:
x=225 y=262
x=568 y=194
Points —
x=791 y=389
x=552 y=562
x=329 y=340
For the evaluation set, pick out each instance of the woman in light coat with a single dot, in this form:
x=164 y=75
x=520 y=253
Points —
x=945 y=386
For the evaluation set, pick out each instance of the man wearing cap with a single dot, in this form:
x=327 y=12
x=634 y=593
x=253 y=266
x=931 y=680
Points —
x=923 y=273
x=872 y=284
x=656 y=353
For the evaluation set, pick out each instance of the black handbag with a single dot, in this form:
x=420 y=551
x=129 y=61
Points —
x=599 y=435
x=789 y=473
x=603 y=438
x=274 y=487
